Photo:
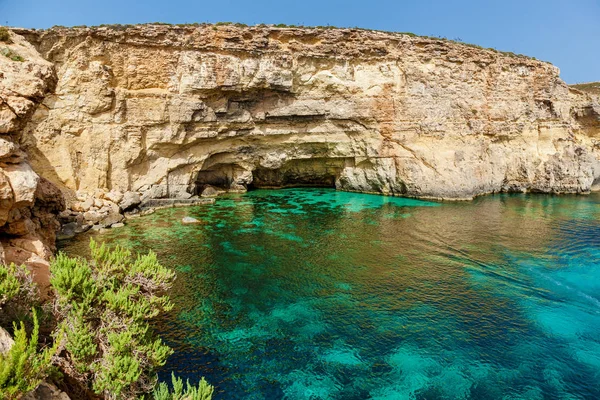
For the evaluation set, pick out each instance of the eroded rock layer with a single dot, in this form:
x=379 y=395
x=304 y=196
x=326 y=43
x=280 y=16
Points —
x=28 y=203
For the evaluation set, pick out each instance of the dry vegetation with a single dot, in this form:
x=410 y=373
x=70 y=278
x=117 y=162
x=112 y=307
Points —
x=590 y=87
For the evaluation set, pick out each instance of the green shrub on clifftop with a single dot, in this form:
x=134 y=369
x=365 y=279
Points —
x=4 y=35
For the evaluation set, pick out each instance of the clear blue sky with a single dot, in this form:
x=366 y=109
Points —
x=564 y=32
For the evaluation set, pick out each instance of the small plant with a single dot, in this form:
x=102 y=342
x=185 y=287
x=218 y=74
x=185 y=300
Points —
x=18 y=294
x=5 y=35
x=11 y=54
x=203 y=391
x=22 y=368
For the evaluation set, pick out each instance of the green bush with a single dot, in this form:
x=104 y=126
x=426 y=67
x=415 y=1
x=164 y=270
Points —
x=18 y=294
x=102 y=340
x=22 y=368
x=103 y=307
x=4 y=35
x=203 y=391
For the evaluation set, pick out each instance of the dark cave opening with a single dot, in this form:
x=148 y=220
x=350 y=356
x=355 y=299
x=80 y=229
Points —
x=312 y=172
x=220 y=176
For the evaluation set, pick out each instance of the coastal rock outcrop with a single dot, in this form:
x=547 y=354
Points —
x=167 y=111
x=154 y=114
x=28 y=203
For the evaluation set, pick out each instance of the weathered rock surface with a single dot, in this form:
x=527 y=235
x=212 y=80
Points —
x=166 y=111
x=46 y=391
x=28 y=203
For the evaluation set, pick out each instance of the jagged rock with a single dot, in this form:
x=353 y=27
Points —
x=112 y=219
x=28 y=204
x=6 y=198
x=20 y=227
x=130 y=200
x=6 y=341
x=23 y=182
x=10 y=152
x=114 y=196
x=32 y=244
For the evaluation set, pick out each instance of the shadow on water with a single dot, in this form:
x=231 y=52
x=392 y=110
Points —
x=318 y=294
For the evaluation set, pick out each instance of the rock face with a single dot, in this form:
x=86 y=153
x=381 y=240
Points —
x=129 y=115
x=166 y=111
x=28 y=202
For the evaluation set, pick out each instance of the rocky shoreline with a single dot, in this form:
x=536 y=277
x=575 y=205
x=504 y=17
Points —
x=104 y=210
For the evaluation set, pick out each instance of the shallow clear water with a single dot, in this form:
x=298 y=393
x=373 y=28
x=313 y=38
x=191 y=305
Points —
x=317 y=294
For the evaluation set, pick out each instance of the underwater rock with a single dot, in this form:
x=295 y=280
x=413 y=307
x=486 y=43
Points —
x=190 y=220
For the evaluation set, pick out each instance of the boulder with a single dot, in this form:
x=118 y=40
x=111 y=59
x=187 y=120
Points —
x=93 y=217
x=9 y=149
x=68 y=231
x=211 y=191
x=155 y=192
x=23 y=181
x=130 y=200
x=87 y=204
x=114 y=195
x=111 y=219
x=46 y=391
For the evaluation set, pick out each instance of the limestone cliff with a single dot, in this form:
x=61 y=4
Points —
x=166 y=111
x=28 y=203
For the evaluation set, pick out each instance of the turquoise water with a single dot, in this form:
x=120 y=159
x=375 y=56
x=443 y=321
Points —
x=317 y=294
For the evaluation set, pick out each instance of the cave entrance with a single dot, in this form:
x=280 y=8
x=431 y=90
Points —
x=312 y=172
x=222 y=176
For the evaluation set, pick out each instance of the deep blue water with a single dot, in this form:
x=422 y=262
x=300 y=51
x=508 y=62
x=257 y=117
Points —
x=317 y=294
